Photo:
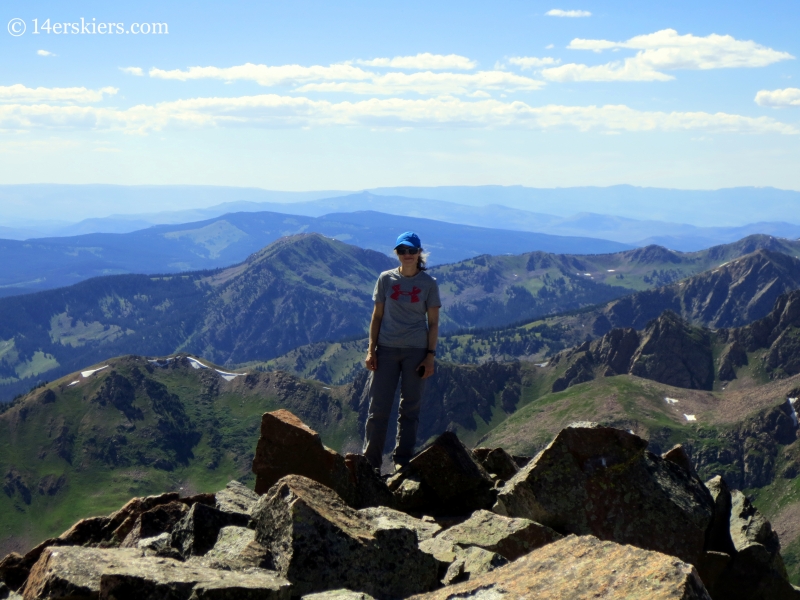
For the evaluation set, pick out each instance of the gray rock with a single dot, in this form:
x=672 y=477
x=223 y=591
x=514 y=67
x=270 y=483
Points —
x=153 y=522
x=196 y=533
x=319 y=543
x=600 y=481
x=72 y=571
x=386 y=518
x=583 y=568
x=338 y=595
x=237 y=548
x=451 y=481
x=510 y=538
x=8 y=594
x=155 y=544
x=368 y=487
x=471 y=562
x=123 y=574
x=756 y=570
x=497 y=462
x=236 y=498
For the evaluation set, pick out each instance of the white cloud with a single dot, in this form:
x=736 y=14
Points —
x=274 y=111
x=132 y=71
x=20 y=93
x=557 y=12
x=549 y=46
x=666 y=50
x=266 y=75
x=531 y=62
x=428 y=83
x=423 y=61
x=779 y=98
x=44 y=53
x=354 y=80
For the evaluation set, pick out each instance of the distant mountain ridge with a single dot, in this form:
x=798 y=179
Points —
x=47 y=263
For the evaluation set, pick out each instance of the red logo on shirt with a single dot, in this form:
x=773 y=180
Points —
x=414 y=293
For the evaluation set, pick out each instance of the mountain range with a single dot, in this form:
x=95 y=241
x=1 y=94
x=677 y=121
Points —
x=48 y=263
x=135 y=425
x=309 y=289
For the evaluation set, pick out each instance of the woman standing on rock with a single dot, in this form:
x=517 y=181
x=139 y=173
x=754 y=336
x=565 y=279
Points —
x=402 y=345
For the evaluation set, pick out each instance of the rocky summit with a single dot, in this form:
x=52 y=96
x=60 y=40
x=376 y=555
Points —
x=594 y=515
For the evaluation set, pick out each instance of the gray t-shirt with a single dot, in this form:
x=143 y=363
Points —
x=406 y=301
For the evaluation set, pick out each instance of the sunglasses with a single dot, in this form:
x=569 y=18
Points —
x=403 y=250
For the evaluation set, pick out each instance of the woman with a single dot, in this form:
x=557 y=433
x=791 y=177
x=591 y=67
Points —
x=402 y=346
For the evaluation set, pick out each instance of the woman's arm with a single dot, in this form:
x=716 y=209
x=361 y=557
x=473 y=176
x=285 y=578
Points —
x=433 y=338
x=371 y=361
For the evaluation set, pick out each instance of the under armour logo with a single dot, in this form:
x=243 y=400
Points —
x=414 y=293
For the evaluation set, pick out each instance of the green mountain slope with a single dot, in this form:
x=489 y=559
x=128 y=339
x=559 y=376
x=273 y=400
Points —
x=298 y=290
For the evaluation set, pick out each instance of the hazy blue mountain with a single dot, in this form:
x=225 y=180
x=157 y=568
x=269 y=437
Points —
x=48 y=263
x=705 y=208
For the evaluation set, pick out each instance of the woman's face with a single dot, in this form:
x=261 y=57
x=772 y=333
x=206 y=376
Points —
x=407 y=260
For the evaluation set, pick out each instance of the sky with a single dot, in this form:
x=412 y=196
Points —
x=308 y=95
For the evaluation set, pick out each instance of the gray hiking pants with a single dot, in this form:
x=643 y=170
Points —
x=394 y=364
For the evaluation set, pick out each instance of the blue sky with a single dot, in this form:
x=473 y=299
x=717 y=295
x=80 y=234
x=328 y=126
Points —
x=352 y=95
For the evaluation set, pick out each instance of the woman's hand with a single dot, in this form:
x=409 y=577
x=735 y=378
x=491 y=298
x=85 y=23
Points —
x=428 y=364
x=371 y=362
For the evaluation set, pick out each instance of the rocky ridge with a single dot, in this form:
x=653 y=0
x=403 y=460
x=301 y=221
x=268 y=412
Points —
x=593 y=513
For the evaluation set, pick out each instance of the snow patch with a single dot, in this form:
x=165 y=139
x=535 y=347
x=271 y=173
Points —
x=791 y=402
x=588 y=274
x=74 y=383
x=544 y=364
x=690 y=417
x=93 y=371
x=612 y=270
x=196 y=364
x=228 y=376
x=670 y=400
x=160 y=362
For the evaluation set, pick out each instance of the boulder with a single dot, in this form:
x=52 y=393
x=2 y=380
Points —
x=153 y=522
x=382 y=518
x=459 y=563
x=287 y=446
x=471 y=562
x=159 y=545
x=451 y=481
x=173 y=580
x=600 y=481
x=338 y=595
x=581 y=568
x=319 y=543
x=8 y=594
x=237 y=548
x=677 y=455
x=510 y=538
x=123 y=574
x=497 y=462
x=369 y=489
x=72 y=571
x=756 y=570
x=196 y=533
x=236 y=498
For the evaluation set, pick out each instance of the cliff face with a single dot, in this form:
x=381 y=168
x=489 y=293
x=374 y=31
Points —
x=669 y=351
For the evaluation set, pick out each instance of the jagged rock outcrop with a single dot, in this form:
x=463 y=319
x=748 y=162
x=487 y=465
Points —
x=778 y=333
x=601 y=481
x=320 y=543
x=746 y=455
x=583 y=568
x=669 y=351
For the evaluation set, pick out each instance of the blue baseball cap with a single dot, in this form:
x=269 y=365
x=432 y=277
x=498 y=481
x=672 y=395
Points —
x=409 y=238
